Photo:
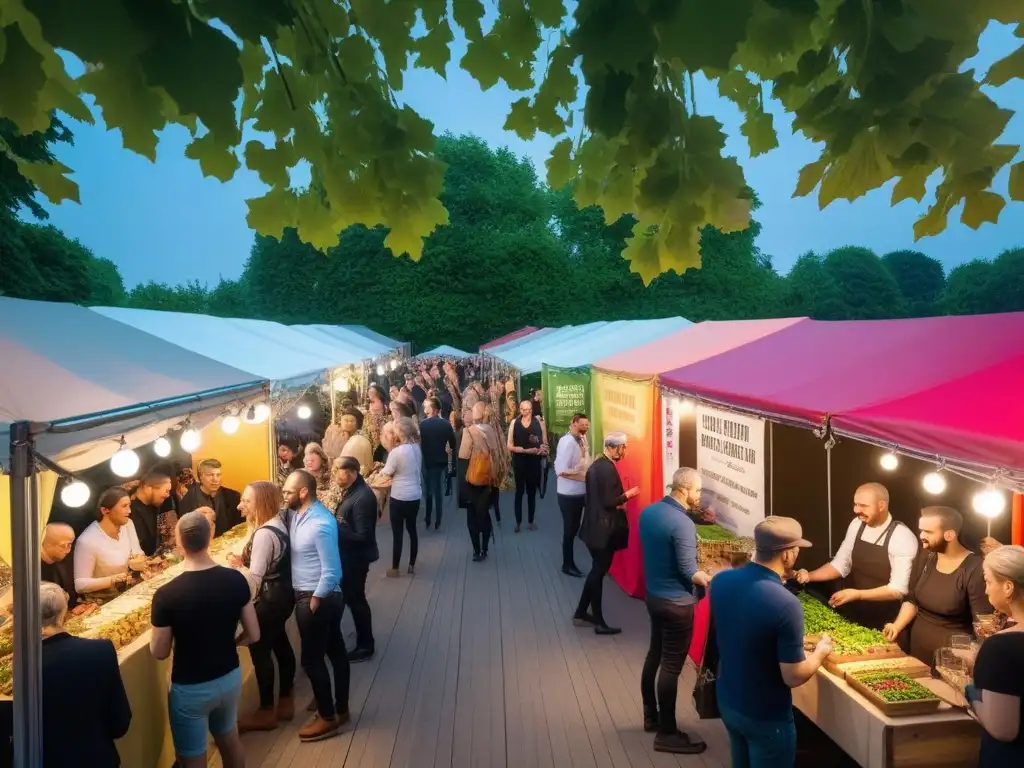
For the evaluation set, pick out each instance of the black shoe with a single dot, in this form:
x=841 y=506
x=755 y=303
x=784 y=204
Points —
x=483 y=555
x=437 y=525
x=651 y=722
x=477 y=557
x=584 y=620
x=428 y=523
x=604 y=629
x=572 y=570
x=358 y=654
x=678 y=743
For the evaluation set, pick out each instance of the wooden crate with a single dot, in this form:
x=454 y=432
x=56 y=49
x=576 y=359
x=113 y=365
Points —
x=895 y=708
x=909 y=666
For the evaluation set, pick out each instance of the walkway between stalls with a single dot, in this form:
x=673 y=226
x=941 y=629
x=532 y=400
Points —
x=478 y=665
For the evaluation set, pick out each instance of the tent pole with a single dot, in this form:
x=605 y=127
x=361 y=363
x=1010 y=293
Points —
x=771 y=468
x=28 y=674
x=828 y=475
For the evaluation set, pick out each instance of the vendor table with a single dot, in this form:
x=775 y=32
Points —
x=945 y=739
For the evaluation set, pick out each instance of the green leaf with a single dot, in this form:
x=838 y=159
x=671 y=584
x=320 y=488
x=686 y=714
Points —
x=468 y=14
x=1017 y=182
x=704 y=34
x=273 y=212
x=252 y=19
x=932 y=223
x=51 y=179
x=760 y=132
x=521 y=119
x=810 y=176
x=215 y=158
x=982 y=207
x=129 y=105
x=861 y=169
x=22 y=78
x=911 y=185
x=559 y=164
x=1007 y=68
x=408 y=237
x=433 y=49
x=483 y=61
x=271 y=165
x=548 y=12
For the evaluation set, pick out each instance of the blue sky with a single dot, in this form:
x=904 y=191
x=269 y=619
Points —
x=168 y=223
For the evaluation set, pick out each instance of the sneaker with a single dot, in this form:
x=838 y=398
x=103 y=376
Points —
x=285 y=709
x=477 y=557
x=260 y=720
x=572 y=570
x=678 y=743
x=393 y=573
x=319 y=729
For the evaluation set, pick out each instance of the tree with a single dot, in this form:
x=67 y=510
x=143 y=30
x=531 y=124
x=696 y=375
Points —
x=968 y=288
x=44 y=264
x=921 y=280
x=177 y=298
x=867 y=289
x=885 y=88
x=107 y=286
x=16 y=190
x=1006 y=282
x=810 y=290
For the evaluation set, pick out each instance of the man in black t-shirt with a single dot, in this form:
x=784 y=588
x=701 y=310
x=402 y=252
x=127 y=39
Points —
x=153 y=490
x=209 y=492
x=54 y=564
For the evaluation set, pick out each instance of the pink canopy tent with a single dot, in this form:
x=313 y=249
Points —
x=509 y=337
x=697 y=342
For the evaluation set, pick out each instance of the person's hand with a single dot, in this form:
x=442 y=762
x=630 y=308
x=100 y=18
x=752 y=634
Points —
x=708 y=515
x=119 y=578
x=890 y=633
x=234 y=561
x=632 y=492
x=314 y=603
x=138 y=562
x=803 y=576
x=968 y=655
x=701 y=579
x=988 y=545
x=79 y=609
x=824 y=646
x=844 y=596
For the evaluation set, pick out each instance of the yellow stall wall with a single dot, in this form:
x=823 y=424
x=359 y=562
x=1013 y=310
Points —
x=47 y=485
x=245 y=455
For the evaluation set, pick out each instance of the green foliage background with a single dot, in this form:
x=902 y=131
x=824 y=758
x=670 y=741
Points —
x=514 y=253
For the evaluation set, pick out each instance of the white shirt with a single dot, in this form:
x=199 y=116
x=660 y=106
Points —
x=902 y=551
x=404 y=467
x=97 y=556
x=568 y=456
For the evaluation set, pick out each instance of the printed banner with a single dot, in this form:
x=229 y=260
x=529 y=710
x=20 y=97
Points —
x=671 y=409
x=730 y=459
x=566 y=392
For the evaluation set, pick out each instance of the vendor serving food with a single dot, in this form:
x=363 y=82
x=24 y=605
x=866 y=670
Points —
x=874 y=561
x=108 y=548
x=53 y=564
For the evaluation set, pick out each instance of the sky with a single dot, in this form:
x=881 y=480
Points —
x=165 y=222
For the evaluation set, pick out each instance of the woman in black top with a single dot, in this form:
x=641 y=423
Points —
x=997 y=692
x=527 y=441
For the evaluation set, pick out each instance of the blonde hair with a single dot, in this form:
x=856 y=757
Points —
x=1007 y=563
x=325 y=463
x=266 y=502
x=408 y=432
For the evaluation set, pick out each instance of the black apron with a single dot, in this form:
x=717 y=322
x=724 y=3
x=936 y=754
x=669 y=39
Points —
x=275 y=592
x=943 y=610
x=871 y=569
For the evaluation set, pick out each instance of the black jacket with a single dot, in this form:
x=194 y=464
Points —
x=357 y=526
x=435 y=434
x=85 y=707
x=225 y=504
x=604 y=522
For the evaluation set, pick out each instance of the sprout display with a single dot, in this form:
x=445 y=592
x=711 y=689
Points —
x=850 y=639
x=894 y=686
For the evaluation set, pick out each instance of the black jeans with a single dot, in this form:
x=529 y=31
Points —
x=353 y=589
x=403 y=513
x=496 y=503
x=478 y=516
x=593 y=586
x=272 y=615
x=571 y=508
x=527 y=472
x=320 y=633
x=433 y=485
x=671 y=632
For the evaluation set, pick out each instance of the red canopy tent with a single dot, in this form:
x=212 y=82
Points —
x=509 y=337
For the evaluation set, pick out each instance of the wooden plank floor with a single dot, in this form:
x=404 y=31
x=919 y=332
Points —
x=478 y=665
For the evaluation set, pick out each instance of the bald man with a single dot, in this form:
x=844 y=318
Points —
x=54 y=564
x=874 y=561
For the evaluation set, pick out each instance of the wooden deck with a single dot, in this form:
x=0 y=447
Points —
x=478 y=665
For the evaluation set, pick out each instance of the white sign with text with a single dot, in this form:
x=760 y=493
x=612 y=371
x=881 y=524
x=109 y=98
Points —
x=730 y=459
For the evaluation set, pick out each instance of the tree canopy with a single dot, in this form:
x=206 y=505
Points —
x=883 y=86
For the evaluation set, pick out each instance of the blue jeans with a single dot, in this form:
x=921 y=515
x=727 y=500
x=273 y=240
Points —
x=759 y=743
x=195 y=709
x=433 y=491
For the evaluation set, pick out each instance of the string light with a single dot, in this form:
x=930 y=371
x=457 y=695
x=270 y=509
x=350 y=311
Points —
x=934 y=483
x=257 y=414
x=341 y=383
x=687 y=405
x=304 y=412
x=230 y=424
x=75 y=494
x=380 y=370
x=191 y=439
x=990 y=503
x=125 y=462
x=394 y=364
x=889 y=461
x=162 y=447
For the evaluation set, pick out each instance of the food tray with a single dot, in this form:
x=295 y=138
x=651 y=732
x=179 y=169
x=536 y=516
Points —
x=906 y=665
x=895 y=708
x=872 y=653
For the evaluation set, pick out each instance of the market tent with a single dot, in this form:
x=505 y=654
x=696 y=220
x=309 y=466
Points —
x=444 y=351
x=692 y=343
x=354 y=348
x=506 y=347
x=354 y=335
x=508 y=337
x=813 y=368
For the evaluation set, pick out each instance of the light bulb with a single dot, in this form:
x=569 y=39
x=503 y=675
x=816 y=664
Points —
x=341 y=383
x=380 y=370
x=124 y=463
x=394 y=364
x=686 y=406
x=262 y=413
x=934 y=483
x=304 y=412
x=989 y=503
x=75 y=494
x=191 y=440
x=889 y=462
x=230 y=424
x=162 y=447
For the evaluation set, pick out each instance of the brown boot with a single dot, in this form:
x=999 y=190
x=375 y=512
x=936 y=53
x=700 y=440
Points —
x=319 y=729
x=260 y=720
x=285 y=709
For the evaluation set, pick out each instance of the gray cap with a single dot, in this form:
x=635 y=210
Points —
x=615 y=439
x=774 y=534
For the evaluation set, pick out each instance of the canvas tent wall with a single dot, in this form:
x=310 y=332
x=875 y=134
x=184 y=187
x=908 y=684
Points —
x=445 y=351
x=509 y=337
x=375 y=344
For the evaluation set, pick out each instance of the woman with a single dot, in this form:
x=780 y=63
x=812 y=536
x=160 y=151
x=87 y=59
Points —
x=315 y=462
x=996 y=695
x=503 y=467
x=266 y=556
x=108 y=548
x=451 y=383
x=402 y=474
x=479 y=438
x=527 y=442
x=400 y=409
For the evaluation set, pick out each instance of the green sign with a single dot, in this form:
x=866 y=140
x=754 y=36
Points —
x=566 y=393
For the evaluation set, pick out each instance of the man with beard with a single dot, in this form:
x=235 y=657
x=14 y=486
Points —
x=209 y=492
x=605 y=529
x=571 y=460
x=316 y=579
x=357 y=541
x=947 y=588
x=436 y=435
x=154 y=533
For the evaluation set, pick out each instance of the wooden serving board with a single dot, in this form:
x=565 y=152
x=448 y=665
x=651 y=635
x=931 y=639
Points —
x=906 y=665
x=895 y=708
x=871 y=654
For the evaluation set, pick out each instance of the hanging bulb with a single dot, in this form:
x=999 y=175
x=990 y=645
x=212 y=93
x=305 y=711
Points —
x=889 y=461
x=162 y=447
x=191 y=440
x=394 y=364
x=124 y=463
x=230 y=424
x=341 y=383
x=262 y=412
x=75 y=494
x=304 y=412
x=380 y=370
x=934 y=483
x=686 y=406
x=989 y=503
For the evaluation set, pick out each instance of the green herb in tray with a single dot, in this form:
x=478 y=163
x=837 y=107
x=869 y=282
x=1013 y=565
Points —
x=894 y=686
x=848 y=638
x=714 y=532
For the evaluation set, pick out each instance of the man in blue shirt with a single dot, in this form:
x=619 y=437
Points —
x=316 y=579
x=759 y=626
x=668 y=538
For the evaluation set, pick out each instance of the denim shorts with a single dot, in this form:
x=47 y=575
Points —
x=199 y=708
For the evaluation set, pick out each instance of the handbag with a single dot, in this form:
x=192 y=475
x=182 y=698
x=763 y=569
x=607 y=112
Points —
x=705 y=690
x=480 y=470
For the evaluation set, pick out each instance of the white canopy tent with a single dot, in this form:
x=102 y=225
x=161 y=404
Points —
x=343 y=332
x=501 y=350
x=445 y=351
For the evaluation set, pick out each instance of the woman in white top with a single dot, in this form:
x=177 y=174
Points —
x=403 y=475
x=106 y=549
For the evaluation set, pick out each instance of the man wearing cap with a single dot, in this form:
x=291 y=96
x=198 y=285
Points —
x=668 y=538
x=759 y=626
x=605 y=529
x=874 y=560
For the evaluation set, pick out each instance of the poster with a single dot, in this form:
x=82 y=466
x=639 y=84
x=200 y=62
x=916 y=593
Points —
x=671 y=409
x=730 y=459
x=566 y=393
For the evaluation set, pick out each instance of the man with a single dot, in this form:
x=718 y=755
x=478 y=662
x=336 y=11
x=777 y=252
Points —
x=357 y=445
x=357 y=541
x=875 y=560
x=154 y=528
x=316 y=579
x=668 y=538
x=571 y=459
x=436 y=435
x=416 y=392
x=288 y=459
x=604 y=529
x=55 y=566
x=947 y=592
x=759 y=626
x=209 y=492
